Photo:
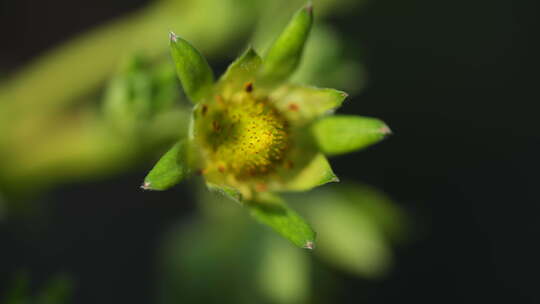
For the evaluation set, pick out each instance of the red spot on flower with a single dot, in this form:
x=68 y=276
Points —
x=248 y=87
x=293 y=107
x=289 y=164
x=261 y=187
x=219 y=100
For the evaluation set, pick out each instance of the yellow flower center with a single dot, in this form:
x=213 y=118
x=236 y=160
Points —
x=246 y=136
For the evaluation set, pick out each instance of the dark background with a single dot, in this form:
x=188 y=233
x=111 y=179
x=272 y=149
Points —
x=452 y=80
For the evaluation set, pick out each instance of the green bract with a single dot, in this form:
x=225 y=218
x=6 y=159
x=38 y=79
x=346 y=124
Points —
x=252 y=134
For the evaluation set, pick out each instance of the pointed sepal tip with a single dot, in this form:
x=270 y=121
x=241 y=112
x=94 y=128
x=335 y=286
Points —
x=173 y=37
x=309 y=245
x=146 y=186
x=309 y=7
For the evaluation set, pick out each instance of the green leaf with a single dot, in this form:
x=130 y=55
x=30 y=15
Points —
x=226 y=191
x=301 y=104
x=169 y=170
x=244 y=68
x=285 y=53
x=192 y=69
x=341 y=134
x=273 y=212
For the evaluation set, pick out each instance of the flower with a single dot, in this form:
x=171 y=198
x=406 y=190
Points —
x=253 y=134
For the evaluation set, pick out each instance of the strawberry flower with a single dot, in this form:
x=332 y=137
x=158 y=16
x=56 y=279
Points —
x=253 y=134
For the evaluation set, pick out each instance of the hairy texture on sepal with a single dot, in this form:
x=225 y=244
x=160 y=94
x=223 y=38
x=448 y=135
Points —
x=192 y=69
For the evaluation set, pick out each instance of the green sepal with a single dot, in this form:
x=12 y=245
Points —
x=192 y=69
x=229 y=192
x=273 y=211
x=171 y=169
x=285 y=53
x=243 y=70
x=301 y=104
x=341 y=134
x=311 y=171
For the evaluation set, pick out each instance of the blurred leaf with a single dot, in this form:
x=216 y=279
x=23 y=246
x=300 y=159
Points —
x=164 y=87
x=348 y=238
x=284 y=274
x=128 y=96
x=192 y=68
x=139 y=93
x=389 y=217
x=285 y=53
x=356 y=226
x=339 y=134
x=169 y=170
x=273 y=212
